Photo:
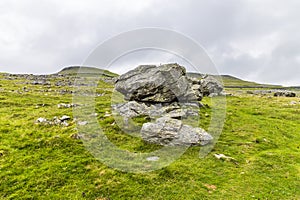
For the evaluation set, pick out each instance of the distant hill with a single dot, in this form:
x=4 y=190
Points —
x=73 y=70
x=233 y=82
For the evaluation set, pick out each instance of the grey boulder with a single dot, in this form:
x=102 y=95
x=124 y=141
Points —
x=211 y=86
x=157 y=84
x=171 y=132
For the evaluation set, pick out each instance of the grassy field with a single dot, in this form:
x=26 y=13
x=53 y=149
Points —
x=39 y=161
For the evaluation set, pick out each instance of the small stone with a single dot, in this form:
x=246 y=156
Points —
x=65 y=117
x=223 y=157
x=77 y=136
x=152 y=158
x=82 y=123
x=64 y=105
x=64 y=123
x=107 y=114
x=41 y=120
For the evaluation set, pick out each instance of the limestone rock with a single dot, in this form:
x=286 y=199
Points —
x=157 y=84
x=284 y=94
x=64 y=118
x=41 y=120
x=174 y=110
x=211 y=86
x=131 y=109
x=171 y=132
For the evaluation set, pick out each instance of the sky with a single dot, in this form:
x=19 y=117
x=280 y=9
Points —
x=251 y=39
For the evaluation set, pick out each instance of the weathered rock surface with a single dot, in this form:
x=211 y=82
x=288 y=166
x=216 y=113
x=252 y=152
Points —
x=174 y=110
x=131 y=109
x=157 y=84
x=165 y=94
x=67 y=105
x=55 y=121
x=284 y=94
x=211 y=86
x=171 y=132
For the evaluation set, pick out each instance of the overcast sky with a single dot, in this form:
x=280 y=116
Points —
x=251 y=39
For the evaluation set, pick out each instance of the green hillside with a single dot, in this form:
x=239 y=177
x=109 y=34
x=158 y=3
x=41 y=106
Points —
x=73 y=70
x=233 y=82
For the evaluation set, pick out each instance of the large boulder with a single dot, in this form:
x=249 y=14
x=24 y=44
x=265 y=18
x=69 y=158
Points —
x=157 y=84
x=171 y=132
x=210 y=86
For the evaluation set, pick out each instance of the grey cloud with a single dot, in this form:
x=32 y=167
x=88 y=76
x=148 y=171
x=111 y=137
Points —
x=251 y=39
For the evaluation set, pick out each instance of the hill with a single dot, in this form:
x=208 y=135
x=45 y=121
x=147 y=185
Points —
x=234 y=82
x=73 y=70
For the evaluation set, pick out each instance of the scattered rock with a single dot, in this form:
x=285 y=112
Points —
x=41 y=120
x=225 y=158
x=210 y=187
x=64 y=123
x=107 y=114
x=64 y=105
x=94 y=114
x=41 y=82
x=77 y=136
x=284 y=94
x=82 y=123
x=55 y=121
x=152 y=158
x=65 y=117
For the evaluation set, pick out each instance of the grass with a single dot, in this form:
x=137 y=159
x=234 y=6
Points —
x=45 y=162
x=86 y=70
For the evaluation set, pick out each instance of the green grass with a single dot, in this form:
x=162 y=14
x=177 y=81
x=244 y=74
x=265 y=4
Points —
x=45 y=162
x=86 y=70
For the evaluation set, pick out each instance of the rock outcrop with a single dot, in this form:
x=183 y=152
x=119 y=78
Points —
x=166 y=95
x=157 y=84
